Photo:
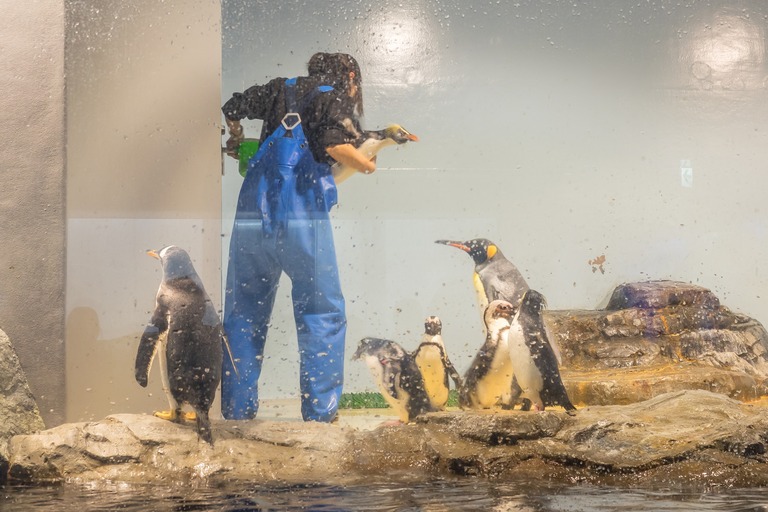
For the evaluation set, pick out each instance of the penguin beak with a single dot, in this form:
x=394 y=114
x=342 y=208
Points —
x=457 y=245
x=412 y=137
x=153 y=254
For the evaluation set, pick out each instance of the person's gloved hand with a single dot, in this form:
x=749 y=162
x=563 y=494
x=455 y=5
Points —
x=236 y=137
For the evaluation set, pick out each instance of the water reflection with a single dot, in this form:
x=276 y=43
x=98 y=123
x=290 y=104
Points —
x=439 y=495
x=725 y=52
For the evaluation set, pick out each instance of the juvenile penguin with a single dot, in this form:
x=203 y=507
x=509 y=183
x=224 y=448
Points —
x=432 y=359
x=187 y=332
x=396 y=375
x=372 y=142
x=495 y=276
x=489 y=380
x=533 y=360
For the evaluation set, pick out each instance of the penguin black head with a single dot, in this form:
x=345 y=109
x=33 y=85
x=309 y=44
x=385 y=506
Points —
x=433 y=326
x=480 y=249
x=176 y=262
x=396 y=133
x=385 y=350
x=533 y=302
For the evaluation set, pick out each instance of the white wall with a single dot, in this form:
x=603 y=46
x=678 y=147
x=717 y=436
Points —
x=143 y=172
x=560 y=130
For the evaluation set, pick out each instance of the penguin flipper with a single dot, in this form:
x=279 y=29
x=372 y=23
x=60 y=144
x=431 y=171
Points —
x=147 y=350
x=453 y=373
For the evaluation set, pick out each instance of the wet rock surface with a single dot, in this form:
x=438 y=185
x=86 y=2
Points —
x=682 y=437
x=18 y=410
x=654 y=375
x=656 y=337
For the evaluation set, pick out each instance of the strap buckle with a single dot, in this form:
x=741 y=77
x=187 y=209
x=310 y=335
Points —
x=291 y=120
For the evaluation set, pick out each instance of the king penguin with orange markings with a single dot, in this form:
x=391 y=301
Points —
x=489 y=381
x=186 y=331
x=495 y=276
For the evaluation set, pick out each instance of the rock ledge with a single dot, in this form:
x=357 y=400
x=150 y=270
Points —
x=682 y=437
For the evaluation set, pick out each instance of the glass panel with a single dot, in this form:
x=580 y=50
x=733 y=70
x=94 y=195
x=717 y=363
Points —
x=596 y=144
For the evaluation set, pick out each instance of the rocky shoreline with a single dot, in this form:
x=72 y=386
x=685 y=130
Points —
x=675 y=385
x=680 y=438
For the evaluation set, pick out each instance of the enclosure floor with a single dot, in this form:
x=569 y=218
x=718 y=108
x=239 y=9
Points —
x=360 y=419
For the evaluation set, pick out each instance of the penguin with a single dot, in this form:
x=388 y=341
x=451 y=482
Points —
x=372 y=142
x=534 y=362
x=397 y=377
x=489 y=381
x=187 y=332
x=432 y=359
x=495 y=276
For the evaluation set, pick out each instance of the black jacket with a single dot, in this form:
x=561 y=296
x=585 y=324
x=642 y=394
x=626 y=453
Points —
x=328 y=120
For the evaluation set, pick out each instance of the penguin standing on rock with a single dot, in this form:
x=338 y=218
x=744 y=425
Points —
x=186 y=330
x=533 y=360
x=432 y=359
x=489 y=381
x=495 y=276
x=397 y=376
x=372 y=142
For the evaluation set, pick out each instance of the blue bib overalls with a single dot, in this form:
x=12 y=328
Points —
x=282 y=225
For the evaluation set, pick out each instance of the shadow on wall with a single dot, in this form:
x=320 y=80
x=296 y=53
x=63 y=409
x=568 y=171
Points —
x=100 y=376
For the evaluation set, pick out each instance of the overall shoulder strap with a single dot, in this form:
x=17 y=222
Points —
x=293 y=109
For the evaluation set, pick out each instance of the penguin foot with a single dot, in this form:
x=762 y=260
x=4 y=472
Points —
x=176 y=417
x=165 y=415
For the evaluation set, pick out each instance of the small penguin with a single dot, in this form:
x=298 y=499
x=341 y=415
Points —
x=372 y=143
x=432 y=359
x=489 y=381
x=397 y=377
x=187 y=332
x=533 y=360
x=495 y=276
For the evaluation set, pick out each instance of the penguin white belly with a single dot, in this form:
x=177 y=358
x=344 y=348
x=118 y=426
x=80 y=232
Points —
x=432 y=371
x=162 y=347
x=528 y=375
x=495 y=388
x=378 y=375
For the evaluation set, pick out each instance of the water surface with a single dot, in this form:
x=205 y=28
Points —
x=438 y=495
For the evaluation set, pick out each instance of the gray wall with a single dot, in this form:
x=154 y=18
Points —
x=562 y=130
x=32 y=199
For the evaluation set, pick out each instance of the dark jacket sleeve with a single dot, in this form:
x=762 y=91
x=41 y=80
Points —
x=255 y=102
x=341 y=125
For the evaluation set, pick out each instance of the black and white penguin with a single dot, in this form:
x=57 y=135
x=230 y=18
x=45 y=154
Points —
x=432 y=359
x=396 y=375
x=533 y=360
x=372 y=142
x=495 y=277
x=185 y=329
x=489 y=381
